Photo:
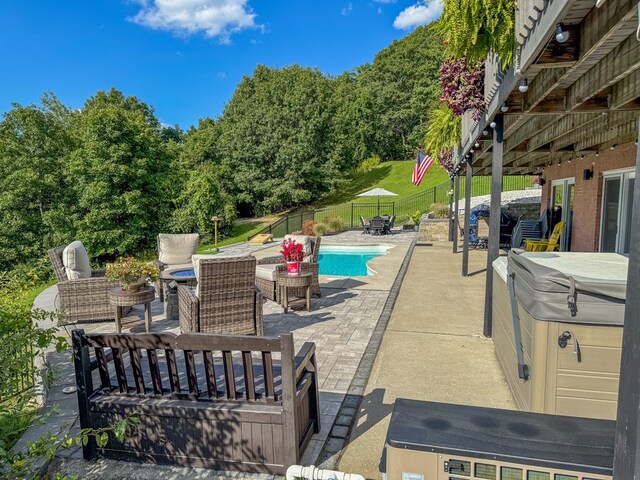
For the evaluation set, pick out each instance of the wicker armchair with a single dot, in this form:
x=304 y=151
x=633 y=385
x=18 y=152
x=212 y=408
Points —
x=226 y=299
x=83 y=299
x=268 y=286
x=175 y=251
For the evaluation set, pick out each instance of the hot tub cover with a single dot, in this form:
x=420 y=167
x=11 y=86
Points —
x=571 y=287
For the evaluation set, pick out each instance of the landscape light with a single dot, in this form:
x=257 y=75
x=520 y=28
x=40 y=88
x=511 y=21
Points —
x=562 y=34
x=504 y=108
x=492 y=124
x=524 y=85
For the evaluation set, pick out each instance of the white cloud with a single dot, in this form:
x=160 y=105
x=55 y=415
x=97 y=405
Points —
x=346 y=10
x=215 y=18
x=419 y=14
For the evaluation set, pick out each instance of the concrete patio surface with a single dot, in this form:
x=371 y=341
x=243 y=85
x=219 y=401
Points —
x=433 y=349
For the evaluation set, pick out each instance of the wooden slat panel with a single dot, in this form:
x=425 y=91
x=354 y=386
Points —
x=192 y=377
x=154 y=368
x=249 y=380
x=626 y=90
x=134 y=356
x=198 y=341
x=172 y=366
x=118 y=362
x=267 y=367
x=128 y=340
x=210 y=375
x=229 y=375
x=103 y=369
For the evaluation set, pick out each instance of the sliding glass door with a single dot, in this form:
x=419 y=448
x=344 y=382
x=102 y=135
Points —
x=563 y=194
x=617 y=202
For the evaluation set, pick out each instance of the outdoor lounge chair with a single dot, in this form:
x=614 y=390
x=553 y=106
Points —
x=366 y=224
x=225 y=300
x=551 y=245
x=524 y=229
x=266 y=269
x=175 y=251
x=83 y=293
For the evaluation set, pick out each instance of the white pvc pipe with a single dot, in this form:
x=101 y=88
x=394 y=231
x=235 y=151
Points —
x=295 y=472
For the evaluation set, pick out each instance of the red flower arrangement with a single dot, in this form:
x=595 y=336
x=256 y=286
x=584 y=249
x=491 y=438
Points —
x=292 y=251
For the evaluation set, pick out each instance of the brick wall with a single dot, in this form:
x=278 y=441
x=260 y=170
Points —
x=585 y=231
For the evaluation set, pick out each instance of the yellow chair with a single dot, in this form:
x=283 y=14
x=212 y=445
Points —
x=551 y=245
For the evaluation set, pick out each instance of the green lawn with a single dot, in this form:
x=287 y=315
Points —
x=392 y=176
x=239 y=233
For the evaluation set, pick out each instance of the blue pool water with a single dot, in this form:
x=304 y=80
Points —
x=348 y=261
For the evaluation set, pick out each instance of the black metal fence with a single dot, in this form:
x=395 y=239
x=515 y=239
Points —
x=350 y=213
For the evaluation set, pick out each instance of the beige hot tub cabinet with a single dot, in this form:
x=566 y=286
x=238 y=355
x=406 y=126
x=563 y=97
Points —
x=569 y=308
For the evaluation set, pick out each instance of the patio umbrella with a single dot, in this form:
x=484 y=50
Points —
x=378 y=192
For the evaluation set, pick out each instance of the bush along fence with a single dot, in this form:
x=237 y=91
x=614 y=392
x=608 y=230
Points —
x=350 y=213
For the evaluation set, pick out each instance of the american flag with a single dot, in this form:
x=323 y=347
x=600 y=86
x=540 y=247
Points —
x=423 y=163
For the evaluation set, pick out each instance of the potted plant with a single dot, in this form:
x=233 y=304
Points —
x=293 y=253
x=131 y=273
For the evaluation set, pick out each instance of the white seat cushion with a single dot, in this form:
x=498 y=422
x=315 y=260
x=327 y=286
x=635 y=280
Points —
x=305 y=241
x=76 y=261
x=266 y=272
x=177 y=248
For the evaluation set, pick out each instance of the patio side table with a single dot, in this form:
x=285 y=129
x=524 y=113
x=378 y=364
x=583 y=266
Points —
x=285 y=281
x=120 y=298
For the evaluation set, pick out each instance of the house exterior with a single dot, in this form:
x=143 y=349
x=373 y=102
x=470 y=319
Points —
x=578 y=113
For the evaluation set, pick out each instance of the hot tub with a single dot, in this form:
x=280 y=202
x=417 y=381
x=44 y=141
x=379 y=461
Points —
x=570 y=312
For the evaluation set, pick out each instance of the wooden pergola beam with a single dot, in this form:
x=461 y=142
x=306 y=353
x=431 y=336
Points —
x=626 y=91
x=594 y=127
x=561 y=127
x=619 y=63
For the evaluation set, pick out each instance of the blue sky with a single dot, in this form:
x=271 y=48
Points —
x=184 y=57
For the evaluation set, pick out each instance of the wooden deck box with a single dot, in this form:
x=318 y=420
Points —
x=226 y=402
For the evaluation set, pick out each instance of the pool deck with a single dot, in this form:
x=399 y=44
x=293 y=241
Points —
x=433 y=349
x=346 y=324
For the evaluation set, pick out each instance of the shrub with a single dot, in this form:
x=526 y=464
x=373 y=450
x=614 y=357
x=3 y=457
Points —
x=416 y=217
x=369 y=164
x=335 y=224
x=440 y=210
x=320 y=229
x=308 y=227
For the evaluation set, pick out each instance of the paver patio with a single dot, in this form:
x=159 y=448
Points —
x=341 y=324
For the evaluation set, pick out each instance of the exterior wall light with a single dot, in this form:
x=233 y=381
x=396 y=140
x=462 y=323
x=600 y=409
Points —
x=471 y=151
x=492 y=124
x=562 y=34
x=504 y=108
x=524 y=85
x=477 y=145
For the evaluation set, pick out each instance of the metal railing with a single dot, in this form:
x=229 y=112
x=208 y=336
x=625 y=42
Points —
x=350 y=213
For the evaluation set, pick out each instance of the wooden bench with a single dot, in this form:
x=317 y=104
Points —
x=215 y=401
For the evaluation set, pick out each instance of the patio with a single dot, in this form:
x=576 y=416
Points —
x=346 y=324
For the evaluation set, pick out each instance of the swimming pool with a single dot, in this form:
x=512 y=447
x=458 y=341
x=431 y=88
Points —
x=348 y=260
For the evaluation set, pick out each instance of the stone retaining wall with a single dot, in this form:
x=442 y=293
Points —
x=434 y=230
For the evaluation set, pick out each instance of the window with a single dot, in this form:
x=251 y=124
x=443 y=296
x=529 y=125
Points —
x=617 y=203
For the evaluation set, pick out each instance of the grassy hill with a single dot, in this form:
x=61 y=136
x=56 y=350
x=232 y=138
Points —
x=392 y=176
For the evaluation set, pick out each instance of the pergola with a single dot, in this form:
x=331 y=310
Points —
x=583 y=96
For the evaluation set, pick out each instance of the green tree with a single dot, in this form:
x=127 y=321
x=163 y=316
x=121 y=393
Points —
x=34 y=140
x=398 y=87
x=274 y=138
x=121 y=174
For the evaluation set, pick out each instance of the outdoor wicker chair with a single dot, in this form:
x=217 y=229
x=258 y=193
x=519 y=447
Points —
x=175 y=251
x=377 y=226
x=83 y=294
x=266 y=271
x=226 y=299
